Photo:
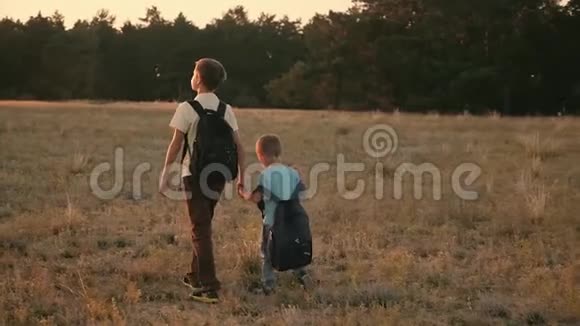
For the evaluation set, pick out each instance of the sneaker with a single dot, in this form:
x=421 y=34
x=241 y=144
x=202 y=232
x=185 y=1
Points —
x=261 y=289
x=306 y=281
x=189 y=282
x=267 y=290
x=205 y=296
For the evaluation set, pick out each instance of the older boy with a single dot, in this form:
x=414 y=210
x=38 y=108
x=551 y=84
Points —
x=207 y=77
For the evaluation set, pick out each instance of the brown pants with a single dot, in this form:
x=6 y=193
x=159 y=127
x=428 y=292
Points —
x=201 y=211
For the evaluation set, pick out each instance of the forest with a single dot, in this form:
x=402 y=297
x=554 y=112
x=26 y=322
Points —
x=514 y=57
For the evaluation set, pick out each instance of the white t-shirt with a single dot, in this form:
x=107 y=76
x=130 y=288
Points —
x=185 y=120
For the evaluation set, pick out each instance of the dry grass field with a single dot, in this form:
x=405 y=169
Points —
x=509 y=258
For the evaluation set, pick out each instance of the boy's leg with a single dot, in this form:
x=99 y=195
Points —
x=268 y=273
x=201 y=210
x=299 y=272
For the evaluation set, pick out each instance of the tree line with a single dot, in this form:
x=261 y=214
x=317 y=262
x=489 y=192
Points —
x=510 y=56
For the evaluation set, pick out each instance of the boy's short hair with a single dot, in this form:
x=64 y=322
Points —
x=211 y=72
x=270 y=146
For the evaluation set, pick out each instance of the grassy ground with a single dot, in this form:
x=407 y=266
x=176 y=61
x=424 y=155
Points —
x=511 y=257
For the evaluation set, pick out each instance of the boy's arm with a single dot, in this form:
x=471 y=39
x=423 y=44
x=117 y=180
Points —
x=171 y=156
x=174 y=147
x=241 y=159
x=300 y=187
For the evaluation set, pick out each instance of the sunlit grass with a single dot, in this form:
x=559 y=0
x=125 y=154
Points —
x=67 y=257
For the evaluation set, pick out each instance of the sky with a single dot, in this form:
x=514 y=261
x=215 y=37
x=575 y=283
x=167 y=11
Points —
x=199 y=11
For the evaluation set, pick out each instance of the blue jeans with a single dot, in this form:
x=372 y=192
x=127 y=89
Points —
x=268 y=272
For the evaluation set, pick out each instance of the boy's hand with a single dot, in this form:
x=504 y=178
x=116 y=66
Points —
x=240 y=187
x=241 y=192
x=163 y=187
x=297 y=168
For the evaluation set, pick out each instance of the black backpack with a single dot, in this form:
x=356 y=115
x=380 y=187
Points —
x=214 y=145
x=290 y=239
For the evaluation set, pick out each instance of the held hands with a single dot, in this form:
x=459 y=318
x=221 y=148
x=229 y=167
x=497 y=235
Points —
x=240 y=188
x=245 y=195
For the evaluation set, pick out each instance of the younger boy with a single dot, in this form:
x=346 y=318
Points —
x=281 y=182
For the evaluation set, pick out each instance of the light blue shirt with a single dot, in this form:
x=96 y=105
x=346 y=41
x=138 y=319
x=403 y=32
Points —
x=277 y=181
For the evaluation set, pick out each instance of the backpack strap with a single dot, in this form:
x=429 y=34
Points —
x=200 y=112
x=262 y=208
x=221 y=111
x=197 y=108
